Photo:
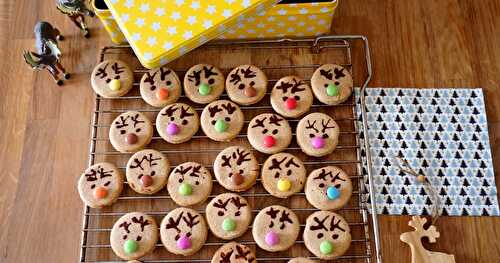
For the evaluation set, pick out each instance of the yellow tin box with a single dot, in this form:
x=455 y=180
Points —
x=286 y=20
x=161 y=30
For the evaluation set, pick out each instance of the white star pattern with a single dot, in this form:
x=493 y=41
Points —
x=312 y=17
x=129 y=3
x=172 y=30
x=191 y=20
x=271 y=18
x=250 y=19
x=321 y=22
x=207 y=24
x=139 y=22
x=291 y=29
x=324 y=10
x=280 y=24
x=211 y=9
x=246 y=3
x=260 y=25
x=160 y=11
x=251 y=31
x=144 y=8
x=168 y=45
x=148 y=56
x=152 y=41
x=282 y=12
x=303 y=11
x=175 y=16
x=156 y=26
x=136 y=37
x=311 y=28
x=226 y=13
x=270 y=30
x=182 y=50
x=292 y=18
x=230 y=1
x=301 y=23
x=125 y=18
x=195 y=5
x=240 y=26
x=187 y=35
x=179 y=2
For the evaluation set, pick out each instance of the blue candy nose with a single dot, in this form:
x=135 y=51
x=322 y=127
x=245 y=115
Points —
x=332 y=192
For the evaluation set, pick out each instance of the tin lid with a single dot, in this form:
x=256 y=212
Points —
x=160 y=31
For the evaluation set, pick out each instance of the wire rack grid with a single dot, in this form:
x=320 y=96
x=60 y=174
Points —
x=277 y=58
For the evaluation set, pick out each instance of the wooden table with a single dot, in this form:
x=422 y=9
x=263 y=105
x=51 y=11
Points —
x=45 y=128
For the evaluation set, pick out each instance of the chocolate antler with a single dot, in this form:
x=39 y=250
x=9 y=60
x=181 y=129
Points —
x=222 y=205
x=229 y=107
x=241 y=156
x=209 y=72
x=291 y=162
x=226 y=161
x=241 y=253
x=237 y=202
x=311 y=125
x=235 y=77
x=272 y=213
x=174 y=224
x=125 y=226
x=149 y=158
x=170 y=111
x=150 y=78
x=320 y=224
x=275 y=164
x=196 y=171
x=285 y=218
x=213 y=110
x=248 y=73
x=322 y=175
x=325 y=125
x=259 y=123
x=226 y=258
x=326 y=73
x=274 y=119
x=164 y=73
x=339 y=73
x=284 y=86
x=143 y=222
x=336 y=225
x=196 y=77
x=336 y=177
x=296 y=86
x=190 y=220
x=122 y=122
x=117 y=69
x=101 y=72
x=136 y=120
x=185 y=112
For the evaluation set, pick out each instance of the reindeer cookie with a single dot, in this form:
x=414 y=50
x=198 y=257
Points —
x=236 y=168
x=328 y=188
x=189 y=184
x=283 y=175
x=130 y=131
x=233 y=252
x=222 y=120
x=317 y=134
x=275 y=228
x=100 y=185
x=228 y=216
x=291 y=97
x=183 y=231
x=177 y=123
x=246 y=85
x=331 y=84
x=134 y=235
x=147 y=171
x=301 y=260
x=160 y=87
x=269 y=133
x=112 y=79
x=327 y=235
x=203 y=83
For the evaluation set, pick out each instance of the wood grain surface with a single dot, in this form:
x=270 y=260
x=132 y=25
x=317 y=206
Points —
x=45 y=128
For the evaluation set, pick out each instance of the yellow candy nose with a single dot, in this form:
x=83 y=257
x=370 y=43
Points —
x=284 y=185
x=115 y=84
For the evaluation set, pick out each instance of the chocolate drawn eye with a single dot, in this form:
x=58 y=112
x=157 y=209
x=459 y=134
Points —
x=138 y=130
x=172 y=118
x=124 y=237
x=321 y=185
x=108 y=80
x=177 y=237
x=252 y=83
x=153 y=173
x=123 y=132
x=296 y=97
x=184 y=122
x=320 y=235
x=275 y=131
x=337 y=83
x=289 y=172
x=284 y=98
x=213 y=122
x=335 y=236
x=276 y=175
x=107 y=183
x=197 y=183
x=138 y=238
x=264 y=131
x=311 y=135
x=227 y=119
x=92 y=186
x=181 y=180
x=117 y=77
x=220 y=213
x=238 y=213
x=211 y=81
x=326 y=85
x=152 y=87
x=325 y=136
x=169 y=82
x=241 y=172
x=241 y=86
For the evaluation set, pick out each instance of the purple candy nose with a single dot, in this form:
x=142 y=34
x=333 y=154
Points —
x=272 y=239
x=318 y=142
x=172 y=129
x=184 y=242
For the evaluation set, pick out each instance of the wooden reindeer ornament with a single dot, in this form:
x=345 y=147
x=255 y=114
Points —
x=48 y=53
x=76 y=10
x=414 y=239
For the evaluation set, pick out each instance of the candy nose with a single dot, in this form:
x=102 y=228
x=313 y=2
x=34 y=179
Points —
x=184 y=242
x=228 y=224
x=221 y=125
x=146 y=180
x=131 y=138
x=272 y=238
x=162 y=94
x=173 y=129
x=115 y=84
x=291 y=103
x=269 y=141
x=100 y=192
x=250 y=92
x=204 y=89
x=185 y=189
x=326 y=247
x=332 y=192
x=237 y=178
x=284 y=185
x=332 y=90
x=318 y=142
x=130 y=246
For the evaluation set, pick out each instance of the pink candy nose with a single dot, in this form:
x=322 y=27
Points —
x=318 y=142
x=184 y=242
x=269 y=141
x=291 y=103
x=272 y=239
x=172 y=129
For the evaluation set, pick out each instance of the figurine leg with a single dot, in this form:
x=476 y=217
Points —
x=59 y=37
x=86 y=32
x=53 y=72
x=65 y=73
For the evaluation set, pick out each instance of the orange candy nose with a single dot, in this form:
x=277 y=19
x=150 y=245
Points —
x=100 y=192
x=162 y=94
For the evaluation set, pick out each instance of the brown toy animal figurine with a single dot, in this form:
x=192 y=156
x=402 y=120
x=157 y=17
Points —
x=414 y=239
x=76 y=10
x=48 y=55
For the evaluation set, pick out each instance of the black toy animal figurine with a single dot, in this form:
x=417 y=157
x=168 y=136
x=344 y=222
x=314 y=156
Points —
x=76 y=10
x=48 y=53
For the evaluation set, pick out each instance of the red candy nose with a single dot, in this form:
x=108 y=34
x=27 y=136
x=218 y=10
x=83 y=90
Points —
x=269 y=141
x=291 y=103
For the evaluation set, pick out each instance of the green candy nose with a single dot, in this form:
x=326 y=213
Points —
x=332 y=90
x=326 y=247
x=130 y=246
x=204 y=89
x=185 y=189
x=221 y=125
x=228 y=224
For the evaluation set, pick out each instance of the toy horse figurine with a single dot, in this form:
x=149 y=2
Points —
x=76 y=10
x=48 y=55
x=418 y=253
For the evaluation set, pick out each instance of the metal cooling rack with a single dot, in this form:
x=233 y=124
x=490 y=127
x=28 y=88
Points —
x=277 y=58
